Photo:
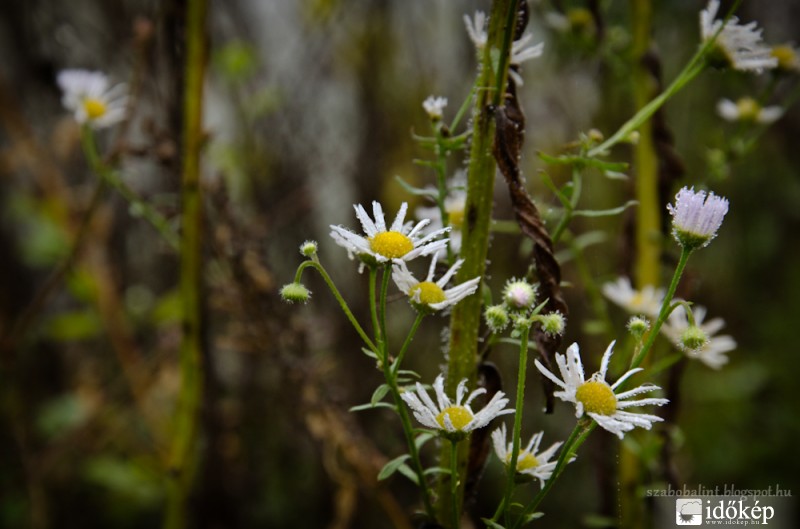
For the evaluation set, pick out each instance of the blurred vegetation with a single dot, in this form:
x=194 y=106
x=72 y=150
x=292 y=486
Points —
x=310 y=106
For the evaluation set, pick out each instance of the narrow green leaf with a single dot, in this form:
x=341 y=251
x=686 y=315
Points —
x=436 y=470
x=370 y=406
x=392 y=466
x=379 y=393
x=410 y=474
x=604 y=212
x=370 y=353
x=423 y=438
x=416 y=190
x=491 y=524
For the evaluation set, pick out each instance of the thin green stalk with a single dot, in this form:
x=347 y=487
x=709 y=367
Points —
x=455 y=510
x=183 y=454
x=466 y=316
x=665 y=308
x=390 y=375
x=407 y=342
x=515 y=442
x=111 y=177
x=387 y=272
x=577 y=181
x=373 y=308
x=336 y=294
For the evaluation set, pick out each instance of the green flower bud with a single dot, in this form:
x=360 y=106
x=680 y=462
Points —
x=496 y=318
x=637 y=326
x=295 y=292
x=309 y=248
x=693 y=338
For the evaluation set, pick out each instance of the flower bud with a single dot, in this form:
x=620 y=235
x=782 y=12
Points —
x=553 y=323
x=518 y=294
x=309 y=248
x=496 y=318
x=693 y=338
x=637 y=326
x=295 y=292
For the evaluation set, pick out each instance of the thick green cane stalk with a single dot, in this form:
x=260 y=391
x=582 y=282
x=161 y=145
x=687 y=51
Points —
x=648 y=231
x=183 y=454
x=466 y=316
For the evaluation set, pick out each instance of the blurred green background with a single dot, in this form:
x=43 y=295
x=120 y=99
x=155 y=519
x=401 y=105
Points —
x=310 y=108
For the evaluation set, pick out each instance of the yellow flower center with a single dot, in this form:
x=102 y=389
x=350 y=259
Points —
x=525 y=461
x=456 y=216
x=787 y=58
x=94 y=108
x=391 y=244
x=637 y=299
x=429 y=293
x=597 y=397
x=459 y=416
x=580 y=18
x=748 y=108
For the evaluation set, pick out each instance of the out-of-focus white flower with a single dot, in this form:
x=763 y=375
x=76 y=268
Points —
x=788 y=59
x=91 y=98
x=476 y=29
x=596 y=398
x=748 y=109
x=646 y=301
x=696 y=218
x=713 y=352
x=453 y=419
x=737 y=46
x=520 y=53
x=530 y=462
x=434 y=106
x=400 y=241
x=454 y=204
x=428 y=295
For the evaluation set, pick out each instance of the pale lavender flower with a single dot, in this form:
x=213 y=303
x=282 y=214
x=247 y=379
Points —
x=696 y=217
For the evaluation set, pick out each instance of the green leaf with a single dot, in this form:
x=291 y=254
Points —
x=596 y=520
x=532 y=516
x=416 y=190
x=491 y=524
x=369 y=352
x=392 y=466
x=74 y=326
x=379 y=393
x=436 y=470
x=604 y=212
x=423 y=438
x=410 y=474
x=61 y=415
x=370 y=406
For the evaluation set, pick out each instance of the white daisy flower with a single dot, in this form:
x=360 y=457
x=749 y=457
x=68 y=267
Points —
x=454 y=204
x=453 y=419
x=520 y=54
x=748 y=109
x=696 y=217
x=646 y=301
x=399 y=242
x=713 y=352
x=434 y=106
x=428 y=295
x=476 y=29
x=737 y=46
x=788 y=58
x=530 y=462
x=91 y=98
x=596 y=398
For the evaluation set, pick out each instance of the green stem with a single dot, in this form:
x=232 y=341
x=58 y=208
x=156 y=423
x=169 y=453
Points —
x=665 y=309
x=387 y=272
x=455 y=509
x=577 y=181
x=373 y=307
x=465 y=320
x=336 y=294
x=111 y=177
x=183 y=454
x=512 y=463
x=404 y=348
